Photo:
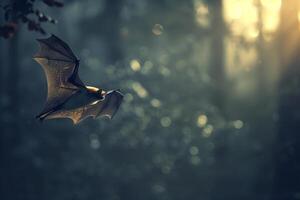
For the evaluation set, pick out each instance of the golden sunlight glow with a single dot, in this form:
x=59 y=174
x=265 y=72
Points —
x=299 y=18
x=202 y=14
x=270 y=15
x=270 y=21
x=271 y=4
x=290 y=11
x=239 y=59
x=243 y=17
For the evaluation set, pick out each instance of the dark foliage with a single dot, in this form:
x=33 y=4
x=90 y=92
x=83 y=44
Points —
x=25 y=11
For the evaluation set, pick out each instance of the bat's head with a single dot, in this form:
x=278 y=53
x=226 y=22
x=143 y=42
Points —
x=112 y=102
x=98 y=93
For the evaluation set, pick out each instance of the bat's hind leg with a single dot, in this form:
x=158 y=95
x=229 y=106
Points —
x=43 y=115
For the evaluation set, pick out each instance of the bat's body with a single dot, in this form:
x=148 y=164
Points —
x=67 y=96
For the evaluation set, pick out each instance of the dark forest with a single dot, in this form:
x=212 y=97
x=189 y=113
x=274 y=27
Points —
x=210 y=110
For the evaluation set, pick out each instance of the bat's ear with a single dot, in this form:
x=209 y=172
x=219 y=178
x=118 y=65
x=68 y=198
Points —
x=119 y=91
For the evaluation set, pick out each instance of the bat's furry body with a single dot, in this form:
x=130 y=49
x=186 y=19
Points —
x=67 y=96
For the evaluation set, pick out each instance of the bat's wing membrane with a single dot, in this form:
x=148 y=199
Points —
x=61 y=69
x=104 y=107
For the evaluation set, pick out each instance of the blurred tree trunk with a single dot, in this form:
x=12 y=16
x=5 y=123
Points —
x=260 y=44
x=217 y=73
x=10 y=134
x=287 y=172
x=2 y=130
x=2 y=64
x=2 y=75
x=263 y=122
x=111 y=30
x=12 y=82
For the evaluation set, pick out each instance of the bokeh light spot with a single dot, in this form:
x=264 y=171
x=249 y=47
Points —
x=166 y=169
x=164 y=71
x=94 y=141
x=195 y=160
x=128 y=97
x=238 y=124
x=139 y=89
x=135 y=65
x=158 y=188
x=207 y=131
x=155 y=103
x=202 y=120
x=194 y=150
x=165 y=121
x=157 y=29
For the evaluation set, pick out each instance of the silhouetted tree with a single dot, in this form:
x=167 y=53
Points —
x=25 y=11
x=111 y=30
x=15 y=13
x=287 y=172
x=218 y=97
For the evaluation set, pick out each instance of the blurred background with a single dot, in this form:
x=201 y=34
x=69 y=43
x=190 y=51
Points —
x=211 y=107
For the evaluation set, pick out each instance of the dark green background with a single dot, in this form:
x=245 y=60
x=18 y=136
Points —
x=154 y=148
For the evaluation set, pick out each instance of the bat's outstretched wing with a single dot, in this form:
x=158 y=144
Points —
x=61 y=69
x=104 y=107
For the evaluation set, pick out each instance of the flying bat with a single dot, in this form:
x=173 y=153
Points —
x=68 y=96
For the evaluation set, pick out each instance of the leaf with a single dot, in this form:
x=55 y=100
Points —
x=8 y=30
